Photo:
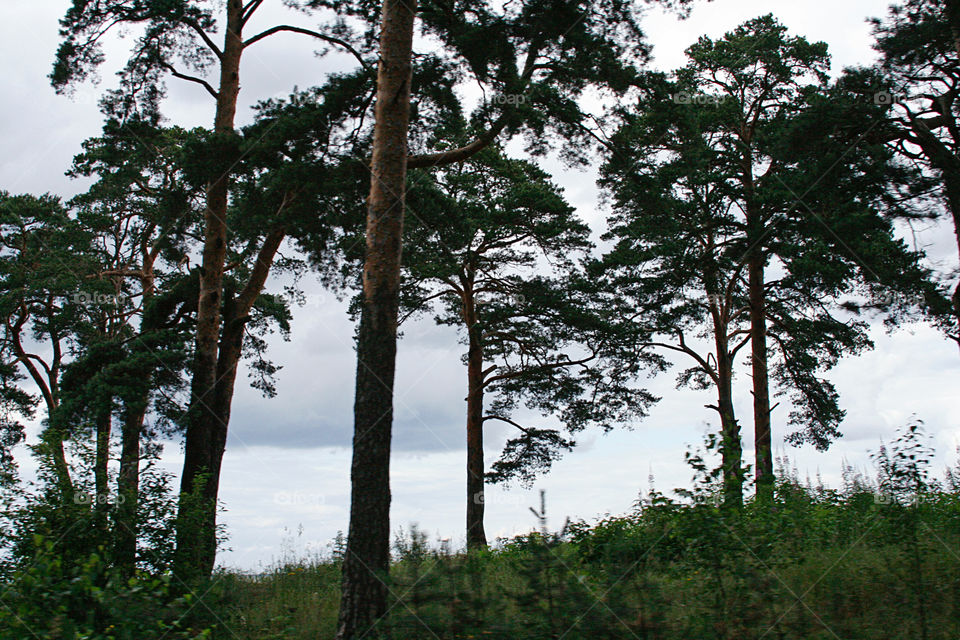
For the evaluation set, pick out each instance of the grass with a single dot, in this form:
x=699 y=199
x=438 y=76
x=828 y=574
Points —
x=816 y=564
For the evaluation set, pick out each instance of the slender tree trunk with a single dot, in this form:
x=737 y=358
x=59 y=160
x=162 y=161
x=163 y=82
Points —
x=756 y=263
x=198 y=508
x=101 y=467
x=128 y=484
x=51 y=438
x=761 y=383
x=366 y=565
x=126 y=526
x=732 y=450
x=476 y=536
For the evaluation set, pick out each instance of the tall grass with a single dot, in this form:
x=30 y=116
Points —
x=872 y=560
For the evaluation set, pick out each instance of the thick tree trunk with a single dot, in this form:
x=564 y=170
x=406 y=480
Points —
x=198 y=507
x=54 y=440
x=366 y=565
x=476 y=536
x=761 y=382
x=952 y=188
x=756 y=263
x=236 y=313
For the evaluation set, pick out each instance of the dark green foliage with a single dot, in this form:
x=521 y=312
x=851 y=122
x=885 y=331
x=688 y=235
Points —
x=915 y=87
x=81 y=597
x=493 y=248
x=740 y=153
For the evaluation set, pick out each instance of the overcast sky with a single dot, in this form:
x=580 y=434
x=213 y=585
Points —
x=285 y=481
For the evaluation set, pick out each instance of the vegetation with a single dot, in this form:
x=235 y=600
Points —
x=874 y=559
x=757 y=207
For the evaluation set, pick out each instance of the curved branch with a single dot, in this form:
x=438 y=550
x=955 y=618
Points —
x=459 y=154
x=182 y=76
x=308 y=32
x=507 y=420
x=542 y=367
x=249 y=9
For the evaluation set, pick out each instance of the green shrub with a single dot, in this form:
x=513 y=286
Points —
x=61 y=598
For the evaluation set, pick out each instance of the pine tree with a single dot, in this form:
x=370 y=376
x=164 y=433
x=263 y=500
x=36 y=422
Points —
x=478 y=244
x=744 y=216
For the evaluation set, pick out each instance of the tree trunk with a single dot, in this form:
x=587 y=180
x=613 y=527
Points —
x=101 y=467
x=476 y=536
x=54 y=441
x=126 y=527
x=948 y=164
x=236 y=313
x=128 y=485
x=198 y=508
x=756 y=262
x=952 y=188
x=51 y=438
x=731 y=448
x=953 y=17
x=366 y=565
x=761 y=382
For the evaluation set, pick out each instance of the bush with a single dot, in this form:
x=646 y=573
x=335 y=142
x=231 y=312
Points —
x=84 y=599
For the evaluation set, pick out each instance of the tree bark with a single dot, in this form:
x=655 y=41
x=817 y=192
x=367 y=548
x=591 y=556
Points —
x=198 y=509
x=126 y=527
x=953 y=17
x=761 y=382
x=731 y=448
x=101 y=467
x=476 y=536
x=128 y=486
x=51 y=438
x=366 y=564
x=756 y=263
x=236 y=313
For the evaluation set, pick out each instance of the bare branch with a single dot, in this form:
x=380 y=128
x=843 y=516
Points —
x=200 y=81
x=316 y=34
x=249 y=9
x=460 y=153
x=507 y=420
